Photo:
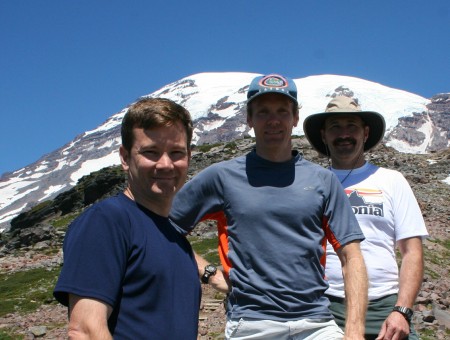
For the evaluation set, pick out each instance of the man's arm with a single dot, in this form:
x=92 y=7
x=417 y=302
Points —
x=411 y=276
x=356 y=287
x=88 y=318
x=219 y=281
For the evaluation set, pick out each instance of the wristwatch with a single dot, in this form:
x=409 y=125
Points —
x=405 y=311
x=210 y=270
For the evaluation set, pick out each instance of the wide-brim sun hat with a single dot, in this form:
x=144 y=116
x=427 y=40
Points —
x=272 y=83
x=342 y=105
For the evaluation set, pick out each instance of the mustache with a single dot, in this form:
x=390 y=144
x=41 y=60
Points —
x=344 y=140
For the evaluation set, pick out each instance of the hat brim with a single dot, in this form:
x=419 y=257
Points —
x=315 y=122
x=261 y=93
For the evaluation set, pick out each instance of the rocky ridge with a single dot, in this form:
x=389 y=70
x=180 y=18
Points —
x=32 y=234
x=436 y=118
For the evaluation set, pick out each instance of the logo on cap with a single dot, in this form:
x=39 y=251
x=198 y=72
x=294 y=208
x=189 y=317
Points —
x=274 y=81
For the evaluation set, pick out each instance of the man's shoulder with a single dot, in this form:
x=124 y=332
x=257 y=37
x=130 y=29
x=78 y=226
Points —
x=110 y=206
x=313 y=166
x=226 y=164
x=234 y=160
x=382 y=171
x=101 y=217
x=110 y=202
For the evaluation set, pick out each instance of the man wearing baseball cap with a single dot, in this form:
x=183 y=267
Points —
x=387 y=212
x=275 y=211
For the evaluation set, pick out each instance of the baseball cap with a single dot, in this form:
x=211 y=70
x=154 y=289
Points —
x=272 y=83
x=342 y=105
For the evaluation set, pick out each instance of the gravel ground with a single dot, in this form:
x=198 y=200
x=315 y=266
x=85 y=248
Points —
x=50 y=321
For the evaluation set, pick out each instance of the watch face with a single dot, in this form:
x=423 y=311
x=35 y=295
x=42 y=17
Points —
x=210 y=269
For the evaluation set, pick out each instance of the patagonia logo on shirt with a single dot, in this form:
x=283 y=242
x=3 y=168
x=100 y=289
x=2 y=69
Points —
x=366 y=201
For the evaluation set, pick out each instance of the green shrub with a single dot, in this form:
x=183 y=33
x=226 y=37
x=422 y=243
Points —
x=207 y=248
x=206 y=147
x=64 y=221
x=5 y=335
x=25 y=291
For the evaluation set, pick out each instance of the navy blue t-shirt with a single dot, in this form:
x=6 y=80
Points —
x=135 y=261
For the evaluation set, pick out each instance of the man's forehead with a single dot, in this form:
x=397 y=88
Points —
x=271 y=98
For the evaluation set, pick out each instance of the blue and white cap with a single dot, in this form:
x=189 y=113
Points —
x=272 y=83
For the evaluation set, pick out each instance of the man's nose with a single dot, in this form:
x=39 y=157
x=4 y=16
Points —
x=344 y=132
x=273 y=117
x=164 y=161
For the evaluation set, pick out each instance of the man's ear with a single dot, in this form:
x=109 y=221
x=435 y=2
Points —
x=249 y=121
x=296 y=117
x=366 y=133
x=124 y=156
x=322 y=134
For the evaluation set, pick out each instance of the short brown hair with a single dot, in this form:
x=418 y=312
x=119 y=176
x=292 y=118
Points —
x=148 y=113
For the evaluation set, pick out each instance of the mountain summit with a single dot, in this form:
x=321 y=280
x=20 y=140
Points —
x=217 y=103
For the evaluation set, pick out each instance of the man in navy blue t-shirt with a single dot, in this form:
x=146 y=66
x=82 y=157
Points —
x=127 y=272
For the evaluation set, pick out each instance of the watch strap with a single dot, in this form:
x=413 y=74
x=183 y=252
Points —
x=405 y=311
x=205 y=277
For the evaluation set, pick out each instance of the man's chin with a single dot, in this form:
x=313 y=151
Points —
x=274 y=139
x=343 y=155
x=164 y=190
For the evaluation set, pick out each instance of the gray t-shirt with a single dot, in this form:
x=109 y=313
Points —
x=278 y=217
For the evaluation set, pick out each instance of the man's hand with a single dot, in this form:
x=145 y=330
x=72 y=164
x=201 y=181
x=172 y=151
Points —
x=395 y=327
x=220 y=281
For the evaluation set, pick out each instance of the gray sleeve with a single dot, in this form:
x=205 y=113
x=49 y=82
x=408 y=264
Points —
x=340 y=221
x=198 y=197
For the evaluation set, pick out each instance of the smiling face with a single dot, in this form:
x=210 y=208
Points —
x=156 y=165
x=345 y=136
x=272 y=117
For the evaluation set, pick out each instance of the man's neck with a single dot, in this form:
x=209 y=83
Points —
x=348 y=164
x=160 y=208
x=275 y=155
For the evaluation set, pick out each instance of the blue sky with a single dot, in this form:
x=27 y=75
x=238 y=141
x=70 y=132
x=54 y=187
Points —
x=66 y=66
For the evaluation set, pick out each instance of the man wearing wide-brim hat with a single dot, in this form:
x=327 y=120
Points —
x=387 y=212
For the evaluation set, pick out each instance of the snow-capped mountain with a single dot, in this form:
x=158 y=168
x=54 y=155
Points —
x=217 y=102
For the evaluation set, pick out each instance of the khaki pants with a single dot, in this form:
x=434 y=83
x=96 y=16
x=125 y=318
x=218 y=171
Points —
x=305 y=329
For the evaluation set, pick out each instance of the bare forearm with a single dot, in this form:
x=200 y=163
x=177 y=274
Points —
x=201 y=264
x=411 y=272
x=356 y=285
x=88 y=319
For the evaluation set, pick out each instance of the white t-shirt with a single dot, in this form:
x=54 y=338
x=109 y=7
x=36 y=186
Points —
x=387 y=211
